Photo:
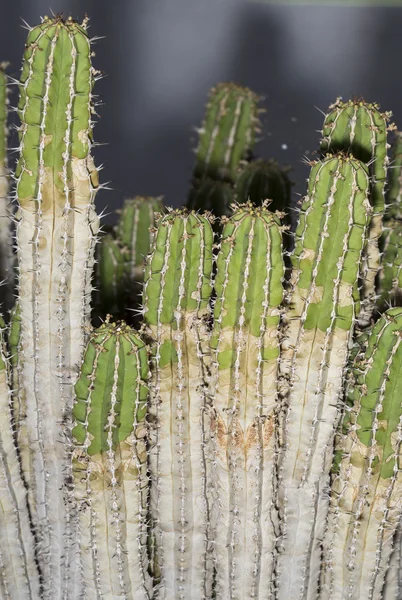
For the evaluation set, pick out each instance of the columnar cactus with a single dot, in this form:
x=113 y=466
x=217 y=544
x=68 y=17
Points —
x=176 y=296
x=359 y=127
x=324 y=304
x=109 y=466
x=55 y=234
x=243 y=412
x=366 y=495
x=110 y=284
x=19 y=576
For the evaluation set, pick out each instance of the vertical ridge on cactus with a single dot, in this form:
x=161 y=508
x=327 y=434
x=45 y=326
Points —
x=19 y=576
x=324 y=304
x=359 y=127
x=366 y=498
x=109 y=465
x=56 y=227
x=176 y=308
x=243 y=391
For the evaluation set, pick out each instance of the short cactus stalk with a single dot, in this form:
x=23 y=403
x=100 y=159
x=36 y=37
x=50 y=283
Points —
x=226 y=137
x=110 y=276
x=394 y=187
x=176 y=295
x=19 y=575
x=390 y=280
x=110 y=466
x=324 y=305
x=366 y=495
x=6 y=254
x=359 y=127
x=56 y=227
x=243 y=412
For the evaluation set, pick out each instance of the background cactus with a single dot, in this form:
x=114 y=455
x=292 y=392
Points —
x=195 y=456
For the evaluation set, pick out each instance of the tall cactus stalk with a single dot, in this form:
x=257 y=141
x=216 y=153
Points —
x=110 y=467
x=359 y=127
x=55 y=234
x=6 y=255
x=324 y=304
x=19 y=575
x=243 y=390
x=176 y=305
x=366 y=495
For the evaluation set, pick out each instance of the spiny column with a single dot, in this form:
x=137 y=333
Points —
x=176 y=308
x=110 y=466
x=56 y=228
x=19 y=576
x=359 y=127
x=366 y=493
x=323 y=306
x=243 y=392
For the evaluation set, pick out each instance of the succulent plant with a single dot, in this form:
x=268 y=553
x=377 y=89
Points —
x=244 y=440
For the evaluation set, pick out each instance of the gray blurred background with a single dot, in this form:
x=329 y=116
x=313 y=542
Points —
x=162 y=56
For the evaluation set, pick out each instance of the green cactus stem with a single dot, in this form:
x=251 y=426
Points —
x=390 y=279
x=6 y=254
x=176 y=296
x=366 y=495
x=243 y=391
x=359 y=127
x=109 y=465
x=56 y=228
x=111 y=277
x=324 y=305
x=19 y=576
x=135 y=232
x=394 y=191
x=212 y=195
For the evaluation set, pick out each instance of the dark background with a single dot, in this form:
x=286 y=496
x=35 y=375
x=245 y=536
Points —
x=162 y=56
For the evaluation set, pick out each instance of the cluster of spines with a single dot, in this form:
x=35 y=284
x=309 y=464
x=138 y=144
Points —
x=110 y=465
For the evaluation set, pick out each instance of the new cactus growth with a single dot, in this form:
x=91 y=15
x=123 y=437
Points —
x=324 y=304
x=366 y=498
x=109 y=465
x=176 y=305
x=56 y=227
x=359 y=127
x=243 y=412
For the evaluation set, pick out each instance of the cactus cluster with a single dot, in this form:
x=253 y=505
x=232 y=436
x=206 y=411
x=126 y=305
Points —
x=198 y=403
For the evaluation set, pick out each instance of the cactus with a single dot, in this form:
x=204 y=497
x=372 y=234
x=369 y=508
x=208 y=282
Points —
x=109 y=465
x=393 y=195
x=366 y=499
x=243 y=391
x=245 y=443
x=324 y=304
x=176 y=293
x=19 y=576
x=56 y=227
x=358 y=127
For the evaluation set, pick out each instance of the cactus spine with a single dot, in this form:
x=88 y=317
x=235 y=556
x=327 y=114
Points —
x=19 y=576
x=324 y=303
x=366 y=498
x=243 y=391
x=109 y=465
x=176 y=294
x=55 y=234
